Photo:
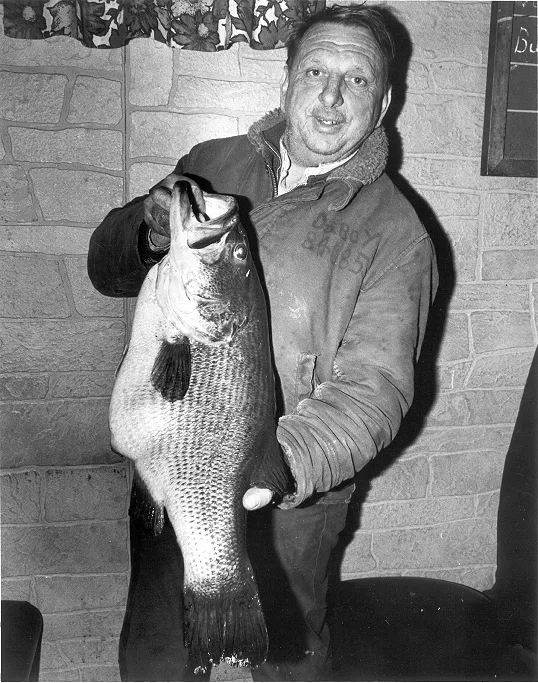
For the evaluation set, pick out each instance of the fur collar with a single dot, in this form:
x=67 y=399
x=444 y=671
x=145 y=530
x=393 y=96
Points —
x=365 y=167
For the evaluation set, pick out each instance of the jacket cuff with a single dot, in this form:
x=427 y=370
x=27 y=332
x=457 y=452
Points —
x=301 y=466
x=149 y=254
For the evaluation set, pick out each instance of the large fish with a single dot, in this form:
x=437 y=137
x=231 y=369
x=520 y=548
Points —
x=193 y=406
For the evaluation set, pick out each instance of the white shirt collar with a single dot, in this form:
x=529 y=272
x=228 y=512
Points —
x=293 y=175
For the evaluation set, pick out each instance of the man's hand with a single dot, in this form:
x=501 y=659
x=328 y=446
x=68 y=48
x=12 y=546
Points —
x=256 y=498
x=271 y=480
x=157 y=209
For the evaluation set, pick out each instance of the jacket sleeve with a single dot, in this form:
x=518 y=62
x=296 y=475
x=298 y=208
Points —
x=115 y=257
x=115 y=265
x=346 y=421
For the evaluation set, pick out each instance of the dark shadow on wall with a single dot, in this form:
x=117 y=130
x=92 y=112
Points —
x=426 y=384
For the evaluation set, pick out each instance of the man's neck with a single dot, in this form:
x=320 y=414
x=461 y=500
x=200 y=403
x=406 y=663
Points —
x=293 y=174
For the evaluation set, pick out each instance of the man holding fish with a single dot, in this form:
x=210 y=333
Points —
x=349 y=276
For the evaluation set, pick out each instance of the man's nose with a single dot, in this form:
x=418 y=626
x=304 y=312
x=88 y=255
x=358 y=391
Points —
x=331 y=95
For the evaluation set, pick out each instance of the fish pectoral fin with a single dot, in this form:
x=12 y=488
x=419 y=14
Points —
x=171 y=371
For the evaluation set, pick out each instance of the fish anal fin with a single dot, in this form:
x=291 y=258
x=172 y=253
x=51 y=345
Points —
x=143 y=509
x=171 y=371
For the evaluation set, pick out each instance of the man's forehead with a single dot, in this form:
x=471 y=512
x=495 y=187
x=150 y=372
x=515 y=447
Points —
x=340 y=38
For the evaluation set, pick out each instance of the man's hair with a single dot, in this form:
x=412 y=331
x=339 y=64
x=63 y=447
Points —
x=373 y=18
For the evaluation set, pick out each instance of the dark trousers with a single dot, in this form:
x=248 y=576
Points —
x=289 y=550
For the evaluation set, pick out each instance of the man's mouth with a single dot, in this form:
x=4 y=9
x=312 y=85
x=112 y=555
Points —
x=328 y=121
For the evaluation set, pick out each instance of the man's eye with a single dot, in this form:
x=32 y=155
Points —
x=315 y=73
x=357 y=80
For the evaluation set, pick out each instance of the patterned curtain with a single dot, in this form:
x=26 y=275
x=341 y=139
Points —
x=204 y=25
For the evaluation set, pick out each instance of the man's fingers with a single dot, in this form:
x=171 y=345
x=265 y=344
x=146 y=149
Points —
x=157 y=204
x=161 y=196
x=170 y=180
x=256 y=498
x=162 y=191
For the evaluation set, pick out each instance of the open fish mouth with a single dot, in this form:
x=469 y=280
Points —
x=212 y=231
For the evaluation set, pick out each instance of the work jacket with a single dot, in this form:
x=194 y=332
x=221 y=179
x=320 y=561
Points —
x=350 y=275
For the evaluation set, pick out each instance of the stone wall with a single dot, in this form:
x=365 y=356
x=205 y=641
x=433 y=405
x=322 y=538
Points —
x=64 y=494
x=86 y=130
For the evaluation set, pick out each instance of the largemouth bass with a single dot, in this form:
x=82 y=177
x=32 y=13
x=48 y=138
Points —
x=193 y=406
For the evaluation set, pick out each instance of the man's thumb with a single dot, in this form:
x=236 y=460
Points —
x=256 y=498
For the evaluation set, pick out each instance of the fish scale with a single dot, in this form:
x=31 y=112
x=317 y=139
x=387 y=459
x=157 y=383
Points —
x=199 y=442
x=212 y=407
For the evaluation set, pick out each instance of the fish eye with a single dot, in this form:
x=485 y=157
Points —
x=240 y=252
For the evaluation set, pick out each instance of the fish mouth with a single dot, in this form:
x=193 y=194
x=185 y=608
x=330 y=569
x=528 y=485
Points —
x=203 y=219
x=211 y=232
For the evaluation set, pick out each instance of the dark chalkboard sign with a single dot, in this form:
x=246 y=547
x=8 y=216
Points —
x=510 y=145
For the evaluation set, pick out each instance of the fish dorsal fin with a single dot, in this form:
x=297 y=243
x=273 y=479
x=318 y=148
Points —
x=171 y=371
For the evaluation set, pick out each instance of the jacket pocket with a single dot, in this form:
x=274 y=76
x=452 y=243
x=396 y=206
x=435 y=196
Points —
x=306 y=379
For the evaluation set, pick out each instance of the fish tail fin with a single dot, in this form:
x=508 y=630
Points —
x=143 y=508
x=272 y=471
x=226 y=627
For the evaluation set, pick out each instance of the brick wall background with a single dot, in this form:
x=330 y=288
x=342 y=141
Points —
x=85 y=130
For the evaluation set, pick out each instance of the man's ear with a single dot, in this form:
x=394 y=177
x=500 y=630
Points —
x=384 y=106
x=284 y=87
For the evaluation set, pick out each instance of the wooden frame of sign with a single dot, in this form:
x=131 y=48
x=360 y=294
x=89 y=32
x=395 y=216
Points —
x=511 y=118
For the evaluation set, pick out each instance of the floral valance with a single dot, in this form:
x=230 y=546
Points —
x=204 y=25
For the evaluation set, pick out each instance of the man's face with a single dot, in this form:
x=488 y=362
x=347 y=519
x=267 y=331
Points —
x=333 y=96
